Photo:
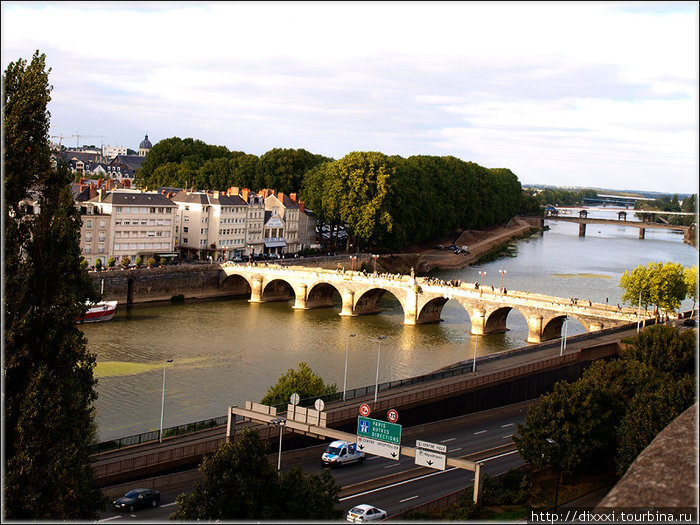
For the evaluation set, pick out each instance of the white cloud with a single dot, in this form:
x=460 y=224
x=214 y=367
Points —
x=550 y=90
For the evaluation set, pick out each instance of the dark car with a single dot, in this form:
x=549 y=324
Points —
x=138 y=498
x=690 y=322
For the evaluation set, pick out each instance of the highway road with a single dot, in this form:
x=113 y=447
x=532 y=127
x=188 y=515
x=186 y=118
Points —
x=396 y=495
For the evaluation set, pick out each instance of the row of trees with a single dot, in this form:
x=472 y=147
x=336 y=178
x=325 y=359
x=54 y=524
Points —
x=392 y=201
x=615 y=410
x=190 y=163
x=381 y=200
x=557 y=197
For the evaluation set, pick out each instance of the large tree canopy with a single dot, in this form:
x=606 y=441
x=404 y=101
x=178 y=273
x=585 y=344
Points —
x=302 y=381
x=48 y=372
x=660 y=284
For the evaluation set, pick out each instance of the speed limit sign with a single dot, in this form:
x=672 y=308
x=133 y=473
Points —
x=392 y=415
x=364 y=410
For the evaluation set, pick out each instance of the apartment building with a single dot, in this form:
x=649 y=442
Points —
x=128 y=223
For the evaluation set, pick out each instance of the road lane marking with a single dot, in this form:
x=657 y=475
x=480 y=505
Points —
x=109 y=519
x=393 y=465
x=507 y=425
x=456 y=449
x=169 y=504
x=447 y=440
x=479 y=432
x=372 y=458
x=398 y=484
x=407 y=499
x=508 y=436
x=500 y=455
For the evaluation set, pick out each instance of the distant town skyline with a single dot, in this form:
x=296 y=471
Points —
x=564 y=94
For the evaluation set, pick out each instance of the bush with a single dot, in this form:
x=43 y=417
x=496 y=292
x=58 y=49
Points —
x=98 y=264
x=151 y=262
x=513 y=489
x=464 y=509
x=125 y=262
x=111 y=262
x=83 y=264
x=139 y=261
x=163 y=261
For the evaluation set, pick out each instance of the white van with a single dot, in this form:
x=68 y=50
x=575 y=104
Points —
x=339 y=453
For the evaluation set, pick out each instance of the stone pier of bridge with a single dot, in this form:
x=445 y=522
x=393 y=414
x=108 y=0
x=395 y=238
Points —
x=422 y=300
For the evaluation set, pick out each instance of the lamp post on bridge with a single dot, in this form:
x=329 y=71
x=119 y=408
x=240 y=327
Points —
x=375 y=257
x=563 y=339
x=481 y=286
x=352 y=263
x=280 y=422
x=476 y=343
x=503 y=273
x=250 y=254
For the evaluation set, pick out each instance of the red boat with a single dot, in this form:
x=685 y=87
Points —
x=102 y=311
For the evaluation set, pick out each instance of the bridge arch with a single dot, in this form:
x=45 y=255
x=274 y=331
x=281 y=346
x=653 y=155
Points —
x=367 y=301
x=277 y=290
x=320 y=295
x=237 y=284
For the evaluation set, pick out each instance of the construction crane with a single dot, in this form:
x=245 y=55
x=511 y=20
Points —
x=60 y=139
x=77 y=138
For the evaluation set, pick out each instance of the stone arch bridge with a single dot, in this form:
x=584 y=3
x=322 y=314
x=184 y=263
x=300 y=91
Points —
x=422 y=301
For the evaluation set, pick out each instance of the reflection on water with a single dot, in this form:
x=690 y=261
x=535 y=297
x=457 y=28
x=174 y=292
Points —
x=228 y=351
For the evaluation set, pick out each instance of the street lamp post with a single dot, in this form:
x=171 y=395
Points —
x=250 y=254
x=556 y=489
x=503 y=273
x=379 y=353
x=639 y=308
x=345 y=375
x=352 y=263
x=375 y=257
x=476 y=343
x=563 y=339
x=280 y=422
x=162 y=402
x=481 y=286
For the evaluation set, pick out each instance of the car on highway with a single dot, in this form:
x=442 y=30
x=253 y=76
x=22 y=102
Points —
x=362 y=513
x=137 y=499
x=339 y=453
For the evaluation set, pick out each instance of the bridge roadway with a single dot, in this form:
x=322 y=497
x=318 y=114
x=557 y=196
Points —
x=140 y=461
x=643 y=226
x=422 y=299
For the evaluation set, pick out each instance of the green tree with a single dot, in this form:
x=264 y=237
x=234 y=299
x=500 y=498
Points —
x=151 y=262
x=691 y=284
x=125 y=262
x=240 y=483
x=98 y=264
x=111 y=262
x=47 y=371
x=661 y=284
x=139 y=261
x=236 y=484
x=302 y=381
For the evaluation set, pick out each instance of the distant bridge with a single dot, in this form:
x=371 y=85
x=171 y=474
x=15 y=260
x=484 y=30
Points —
x=422 y=301
x=583 y=219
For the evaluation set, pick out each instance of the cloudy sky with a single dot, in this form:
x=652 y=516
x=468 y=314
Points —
x=569 y=94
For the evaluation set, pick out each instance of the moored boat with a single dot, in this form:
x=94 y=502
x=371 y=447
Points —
x=102 y=311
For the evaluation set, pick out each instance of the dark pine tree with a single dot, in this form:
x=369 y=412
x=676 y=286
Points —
x=48 y=372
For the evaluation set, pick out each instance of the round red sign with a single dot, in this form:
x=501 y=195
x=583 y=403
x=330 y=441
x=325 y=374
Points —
x=392 y=415
x=364 y=409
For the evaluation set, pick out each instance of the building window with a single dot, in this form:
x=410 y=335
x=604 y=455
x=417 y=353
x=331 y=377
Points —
x=184 y=240
x=88 y=237
x=102 y=223
x=185 y=229
x=88 y=248
x=88 y=224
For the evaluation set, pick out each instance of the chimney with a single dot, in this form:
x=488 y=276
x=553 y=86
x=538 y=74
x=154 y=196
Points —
x=99 y=182
x=108 y=184
x=244 y=194
x=100 y=194
x=280 y=197
x=293 y=196
x=127 y=183
x=301 y=206
x=216 y=194
x=234 y=190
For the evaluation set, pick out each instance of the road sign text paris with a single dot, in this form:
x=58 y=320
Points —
x=377 y=429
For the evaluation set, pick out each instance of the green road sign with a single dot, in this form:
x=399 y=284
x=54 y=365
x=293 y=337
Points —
x=377 y=429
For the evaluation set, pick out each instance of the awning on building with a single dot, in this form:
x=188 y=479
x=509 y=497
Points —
x=276 y=244
x=168 y=254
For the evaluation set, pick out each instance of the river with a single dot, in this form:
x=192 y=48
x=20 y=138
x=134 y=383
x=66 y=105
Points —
x=228 y=351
